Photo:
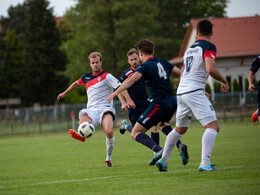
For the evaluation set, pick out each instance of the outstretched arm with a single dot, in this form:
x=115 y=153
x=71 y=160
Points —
x=251 y=78
x=213 y=71
x=70 y=88
x=125 y=85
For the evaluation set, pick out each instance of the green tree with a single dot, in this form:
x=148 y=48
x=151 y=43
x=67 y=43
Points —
x=217 y=87
x=236 y=86
x=11 y=62
x=44 y=59
x=208 y=88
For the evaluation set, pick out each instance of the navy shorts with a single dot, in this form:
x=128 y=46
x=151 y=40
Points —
x=158 y=111
x=134 y=114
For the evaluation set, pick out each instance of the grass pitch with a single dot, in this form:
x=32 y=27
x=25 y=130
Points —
x=58 y=164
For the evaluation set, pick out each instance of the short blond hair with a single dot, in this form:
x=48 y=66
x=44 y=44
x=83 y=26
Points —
x=94 y=55
x=131 y=52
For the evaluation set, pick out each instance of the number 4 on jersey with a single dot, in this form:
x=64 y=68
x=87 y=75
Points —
x=162 y=73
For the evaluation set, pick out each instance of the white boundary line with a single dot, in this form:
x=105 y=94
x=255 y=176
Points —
x=110 y=177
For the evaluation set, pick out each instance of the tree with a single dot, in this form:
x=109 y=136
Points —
x=11 y=62
x=236 y=86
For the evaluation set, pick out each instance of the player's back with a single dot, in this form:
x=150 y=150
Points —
x=194 y=75
x=156 y=72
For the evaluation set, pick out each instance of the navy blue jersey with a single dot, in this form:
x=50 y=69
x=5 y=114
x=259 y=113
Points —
x=157 y=73
x=256 y=64
x=137 y=91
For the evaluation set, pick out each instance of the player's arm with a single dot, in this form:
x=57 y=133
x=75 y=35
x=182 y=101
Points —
x=123 y=102
x=213 y=71
x=251 y=78
x=176 y=70
x=70 y=88
x=125 y=85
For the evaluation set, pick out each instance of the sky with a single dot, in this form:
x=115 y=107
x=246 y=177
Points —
x=235 y=8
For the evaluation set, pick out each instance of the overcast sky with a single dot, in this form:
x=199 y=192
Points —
x=236 y=8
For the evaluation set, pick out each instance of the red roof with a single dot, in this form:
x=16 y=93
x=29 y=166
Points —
x=232 y=36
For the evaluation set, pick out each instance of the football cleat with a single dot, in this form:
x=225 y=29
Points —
x=183 y=151
x=209 y=167
x=254 y=116
x=122 y=127
x=161 y=166
x=109 y=163
x=75 y=135
x=156 y=157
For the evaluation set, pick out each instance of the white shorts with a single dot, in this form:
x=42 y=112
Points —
x=96 y=114
x=194 y=103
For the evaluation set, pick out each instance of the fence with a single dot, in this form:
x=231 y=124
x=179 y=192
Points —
x=229 y=107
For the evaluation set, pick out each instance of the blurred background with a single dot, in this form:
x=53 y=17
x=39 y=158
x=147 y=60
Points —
x=44 y=45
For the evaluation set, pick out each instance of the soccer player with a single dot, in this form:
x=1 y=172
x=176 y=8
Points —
x=99 y=85
x=199 y=62
x=251 y=77
x=138 y=94
x=163 y=103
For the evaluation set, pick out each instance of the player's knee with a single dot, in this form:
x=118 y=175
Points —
x=109 y=134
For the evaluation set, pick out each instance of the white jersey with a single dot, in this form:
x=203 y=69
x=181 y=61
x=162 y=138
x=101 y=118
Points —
x=99 y=87
x=195 y=75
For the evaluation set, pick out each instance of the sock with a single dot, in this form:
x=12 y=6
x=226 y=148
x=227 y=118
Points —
x=110 y=142
x=129 y=128
x=167 y=129
x=170 y=142
x=178 y=143
x=148 y=142
x=207 y=141
x=155 y=137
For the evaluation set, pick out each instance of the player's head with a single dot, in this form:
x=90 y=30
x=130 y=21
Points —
x=204 y=28
x=145 y=47
x=95 y=61
x=133 y=58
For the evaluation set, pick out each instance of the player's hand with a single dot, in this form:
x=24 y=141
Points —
x=224 y=87
x=111 y=97
x=124 y=107
x=251 y=88
x=61 y=95
x=207 y=95
x=131 y=104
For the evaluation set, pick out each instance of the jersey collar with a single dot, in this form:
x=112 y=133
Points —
x=98 y=73
x=150 y=58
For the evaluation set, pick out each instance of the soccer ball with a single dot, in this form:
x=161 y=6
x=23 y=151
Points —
x=86 y=129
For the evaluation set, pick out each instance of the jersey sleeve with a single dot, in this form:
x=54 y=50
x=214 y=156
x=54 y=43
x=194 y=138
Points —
x=123 y=78
x=112 y=81
x=256 y=64
x=80 y=81
x=210 y=52
x=141 y=69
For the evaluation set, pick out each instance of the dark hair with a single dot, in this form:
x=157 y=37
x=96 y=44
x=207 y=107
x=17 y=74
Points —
x=131 y=52
x=146 y=46
x=204 y=27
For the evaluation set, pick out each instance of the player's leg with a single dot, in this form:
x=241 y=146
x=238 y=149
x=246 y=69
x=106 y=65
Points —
x=107 y=124
x=204 y=112
x=155 y=135
x=85 y=115
x=138 y=134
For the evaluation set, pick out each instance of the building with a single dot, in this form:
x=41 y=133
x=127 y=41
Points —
x=237 y=41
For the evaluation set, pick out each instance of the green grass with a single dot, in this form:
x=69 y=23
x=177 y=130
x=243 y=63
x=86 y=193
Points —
x=58 y=164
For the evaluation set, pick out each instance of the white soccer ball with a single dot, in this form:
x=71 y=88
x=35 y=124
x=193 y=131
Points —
x=86 y=129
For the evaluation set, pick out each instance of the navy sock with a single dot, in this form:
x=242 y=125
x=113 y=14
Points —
x=178 y=143
x=167 y=129
x=129 y=128
x=148 y=142
x=155 y=137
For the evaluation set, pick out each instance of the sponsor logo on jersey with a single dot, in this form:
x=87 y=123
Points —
x=212 y=56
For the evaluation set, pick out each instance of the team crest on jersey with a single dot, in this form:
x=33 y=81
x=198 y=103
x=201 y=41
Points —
x=99 y=78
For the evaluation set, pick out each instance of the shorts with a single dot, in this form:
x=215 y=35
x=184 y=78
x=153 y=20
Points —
x=134 y=114
x=96 y=114
x=158 y=111
x=194 y=103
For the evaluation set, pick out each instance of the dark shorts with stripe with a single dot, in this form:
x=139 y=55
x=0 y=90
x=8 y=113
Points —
x=134 y=114
x=158 y=111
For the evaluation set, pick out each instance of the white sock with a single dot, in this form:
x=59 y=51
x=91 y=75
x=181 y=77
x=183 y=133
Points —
x=110 y=142
x=207 y=141
x=170 y=143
